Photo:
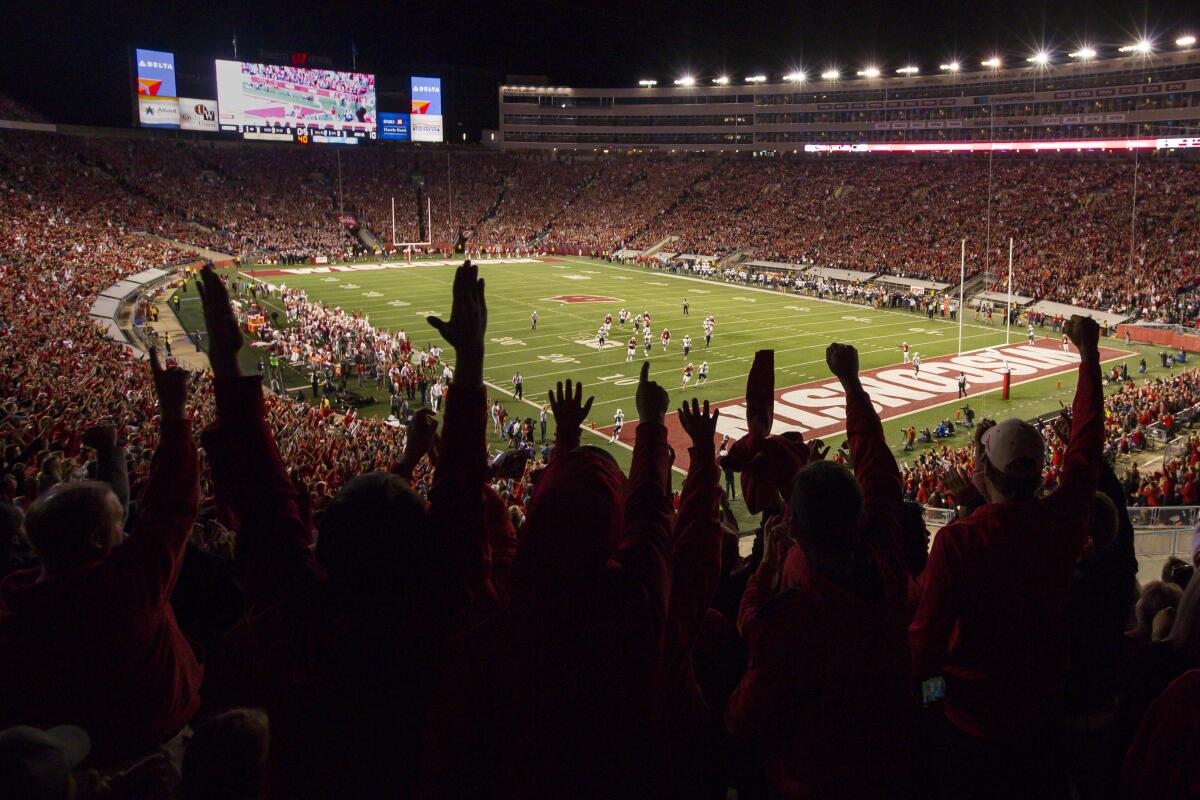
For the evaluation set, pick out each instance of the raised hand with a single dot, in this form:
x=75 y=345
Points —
x=817 y=450
x=224 y=336
x=652 y=399
x=958 y=482
x=843 y=361
x=101 y=436
x=421 y=433
x=1084 y=333
x=568 y=406
x=170 y=385
x=701 y=425
x=467 y=324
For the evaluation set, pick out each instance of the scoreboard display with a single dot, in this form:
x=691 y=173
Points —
x=267 y=101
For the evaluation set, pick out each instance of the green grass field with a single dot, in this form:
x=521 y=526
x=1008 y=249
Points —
x=796 y=327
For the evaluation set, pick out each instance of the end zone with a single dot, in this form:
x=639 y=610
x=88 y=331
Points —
x=817 y=408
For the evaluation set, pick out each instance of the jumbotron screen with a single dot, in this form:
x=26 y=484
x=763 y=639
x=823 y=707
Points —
x=274 y=101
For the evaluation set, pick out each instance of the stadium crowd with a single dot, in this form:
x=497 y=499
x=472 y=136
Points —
x=896 y=216
x=615 y=646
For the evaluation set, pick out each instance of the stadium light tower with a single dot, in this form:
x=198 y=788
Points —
x=1142 y=47
x=1041 y=58
x=909 y=70
x=795 y=77
x=869 y=72
x=722 y=80
x=952 y=66
x=1084 y=53
x=1185 y=41
x=993 y=63
x=686 y=80
x=756 y=79
x=647 y=83
x=830 y=75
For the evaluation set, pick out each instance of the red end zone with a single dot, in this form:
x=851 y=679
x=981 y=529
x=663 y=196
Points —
x=817 y=408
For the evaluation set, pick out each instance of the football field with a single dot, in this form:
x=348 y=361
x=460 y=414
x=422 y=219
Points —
x=572 y=296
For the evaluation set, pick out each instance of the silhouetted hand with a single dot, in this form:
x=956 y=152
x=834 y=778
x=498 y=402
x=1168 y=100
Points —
x=467 y=325
x=983 y=427
x=700 y=424
x=843 y=361
x=1084 y=333
x=652 y=399
x=101 y=436
x=817 y=450
x=568 y=406
x=958 y=482
x=421 y=433
x=224 y=336
x=170 y=385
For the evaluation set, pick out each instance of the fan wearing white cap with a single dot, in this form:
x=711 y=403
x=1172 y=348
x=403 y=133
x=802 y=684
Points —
x=993 y=617
x=36 y=764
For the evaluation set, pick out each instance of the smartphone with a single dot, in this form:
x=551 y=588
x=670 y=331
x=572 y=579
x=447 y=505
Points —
x=933 y=690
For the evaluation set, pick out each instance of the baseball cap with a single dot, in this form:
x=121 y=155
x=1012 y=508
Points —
x=36 y=764
x=1015 y=448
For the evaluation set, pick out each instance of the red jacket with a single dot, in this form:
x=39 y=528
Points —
x=826 y=695
x=97 y=646
x=993 y=614
x=1164 y=759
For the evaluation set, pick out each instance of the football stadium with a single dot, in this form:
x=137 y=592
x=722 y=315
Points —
x=380 y=422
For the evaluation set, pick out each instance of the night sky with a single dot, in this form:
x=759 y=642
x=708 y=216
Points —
x=70 y=61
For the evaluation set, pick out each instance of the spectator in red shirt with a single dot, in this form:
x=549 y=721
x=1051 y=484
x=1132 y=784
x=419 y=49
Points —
x=993 y=613
x=826 y=695
x=89 y=638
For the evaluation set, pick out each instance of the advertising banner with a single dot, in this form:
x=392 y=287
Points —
x=154 y=82
x=197 y=115
x=394 y=127
x=426 y=112
x=158 y=112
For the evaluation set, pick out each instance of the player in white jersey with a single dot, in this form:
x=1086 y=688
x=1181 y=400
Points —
x=533 y=321
x=1066 y=344
x=631 y=350
x=665 y=338
x=646 y=340
x=916 y=362
x=618 y=423
x=602 y=336
x=687 y=375
x=904 y=349
x=703 y=376
x=1031 y=337
x=687 y=345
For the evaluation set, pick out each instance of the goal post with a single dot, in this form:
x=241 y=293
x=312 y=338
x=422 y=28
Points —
x=409 y=246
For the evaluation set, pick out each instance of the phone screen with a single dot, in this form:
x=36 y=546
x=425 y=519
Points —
x=933 y=690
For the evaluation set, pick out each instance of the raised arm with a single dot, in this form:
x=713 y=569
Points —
x=150 y=558
x=249 y=477
x=570 y=410
x=1081 y=464
x=875 y=467
x=645 y=549
x=111 y=464
x=460 y=481
x=696 y=560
